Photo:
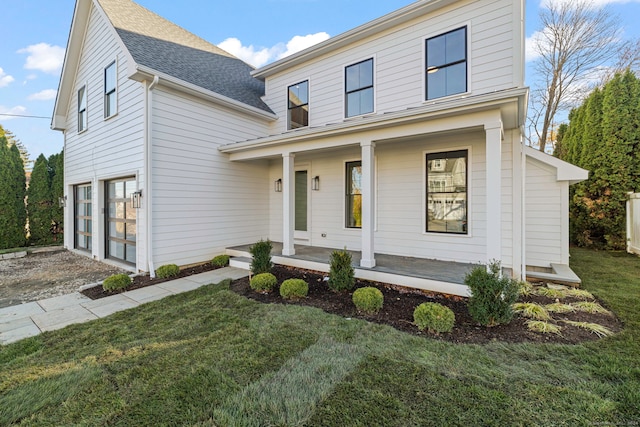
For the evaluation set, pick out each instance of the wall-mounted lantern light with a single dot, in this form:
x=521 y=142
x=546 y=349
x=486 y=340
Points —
x=62 y=202
x=315 y=183
x=278 y=185
x=136 y=199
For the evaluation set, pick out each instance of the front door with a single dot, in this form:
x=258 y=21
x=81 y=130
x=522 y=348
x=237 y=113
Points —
x=120 y=220
x=301 y=202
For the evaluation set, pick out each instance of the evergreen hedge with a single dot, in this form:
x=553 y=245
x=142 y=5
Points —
x=12 y=194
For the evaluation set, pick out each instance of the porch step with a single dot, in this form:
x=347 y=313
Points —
x=240 y=262
x=561 y=273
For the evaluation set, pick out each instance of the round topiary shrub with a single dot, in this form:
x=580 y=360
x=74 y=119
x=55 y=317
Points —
x=434 y=317
x=294 y=289
x=116 y=282
x=368 y=299
x=263 y=282
x=220 y=261
x=168 y=270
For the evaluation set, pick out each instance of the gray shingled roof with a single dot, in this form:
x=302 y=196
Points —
x=165 y=47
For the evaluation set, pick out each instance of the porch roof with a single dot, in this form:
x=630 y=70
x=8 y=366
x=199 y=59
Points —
x=430 y=117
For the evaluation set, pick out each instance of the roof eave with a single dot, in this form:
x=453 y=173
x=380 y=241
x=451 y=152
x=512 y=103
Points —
x=145 y=73
x=565 y=171
x=377 y=25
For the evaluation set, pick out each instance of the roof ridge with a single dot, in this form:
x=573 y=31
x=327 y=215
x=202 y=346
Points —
x=130 y=16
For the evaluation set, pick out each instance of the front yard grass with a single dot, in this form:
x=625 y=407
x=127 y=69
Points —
x=211 y=357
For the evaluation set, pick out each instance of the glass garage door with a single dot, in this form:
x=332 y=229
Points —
x=121 y=220
x=82 y=217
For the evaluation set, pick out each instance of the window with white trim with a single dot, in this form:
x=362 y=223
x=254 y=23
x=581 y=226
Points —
x=447 y=192
x=359 y=88
x=353 y=195
x=298 y=105
x=446 y=67
x=82 y=108
x=110 y=94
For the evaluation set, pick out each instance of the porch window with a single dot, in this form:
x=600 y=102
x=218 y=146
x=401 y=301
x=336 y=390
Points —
x=110 y=97
x=82 y=214
x=82 y=109
x=447 y=192
x=446 y=67
x=298 y=105
x=353 y=196
x=359 y=88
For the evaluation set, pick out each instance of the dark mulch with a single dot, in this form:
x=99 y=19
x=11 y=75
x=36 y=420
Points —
x=399 y=304
x=141 y=281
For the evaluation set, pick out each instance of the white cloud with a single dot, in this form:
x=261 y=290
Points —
x=5 y=79
x=530 y=53
x=43 y=95
x=263 y=55
x=44 y=57
x=19 y=110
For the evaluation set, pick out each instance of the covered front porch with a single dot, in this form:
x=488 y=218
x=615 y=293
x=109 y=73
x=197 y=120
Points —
x=427 y=274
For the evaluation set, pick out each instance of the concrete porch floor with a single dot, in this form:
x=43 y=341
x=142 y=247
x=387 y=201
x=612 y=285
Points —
x=440 y=271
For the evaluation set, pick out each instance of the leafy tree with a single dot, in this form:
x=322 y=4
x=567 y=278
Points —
x=56 y=165
x=39 y=202
x=12 y=194
x=604 y=137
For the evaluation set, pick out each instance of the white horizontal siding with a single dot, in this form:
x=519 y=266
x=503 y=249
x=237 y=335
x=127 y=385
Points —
x=399 y=62
x=543 y=216
x=202 y=202
x=108 y=148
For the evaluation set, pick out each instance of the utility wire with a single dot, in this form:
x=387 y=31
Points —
x=24 y=115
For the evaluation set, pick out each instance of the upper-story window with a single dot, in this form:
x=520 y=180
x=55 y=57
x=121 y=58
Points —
x=447 y=64
x=359 y=88
x=298 y=105
x=110 y=95
x=82 y=108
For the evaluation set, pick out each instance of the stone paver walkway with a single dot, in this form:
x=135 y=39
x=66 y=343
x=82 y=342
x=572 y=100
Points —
x=30 y=319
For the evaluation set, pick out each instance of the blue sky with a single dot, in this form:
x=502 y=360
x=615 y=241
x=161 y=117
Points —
x=259 y=31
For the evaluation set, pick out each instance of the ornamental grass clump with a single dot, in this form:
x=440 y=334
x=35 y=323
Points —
x=492 y=295
x=341 y=274
x=168 y=270
x=368 y=300
x=434 y=317
x=263 y=282
x=294 y=289
x=220 y=261
x=116 y=282
x=543 y=327
x=531 y=310
x=261 y=257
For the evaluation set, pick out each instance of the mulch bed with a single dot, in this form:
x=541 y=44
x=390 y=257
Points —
x=97 y=292
x=397 y=311
x=400 y=302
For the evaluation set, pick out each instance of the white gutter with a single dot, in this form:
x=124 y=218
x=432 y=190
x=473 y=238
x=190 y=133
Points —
x=148 y=141
x=523 y=210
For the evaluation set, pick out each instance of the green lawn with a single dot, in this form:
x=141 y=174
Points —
x=212 y=358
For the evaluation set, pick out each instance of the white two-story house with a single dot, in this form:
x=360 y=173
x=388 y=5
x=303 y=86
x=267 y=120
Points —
x=402 y=137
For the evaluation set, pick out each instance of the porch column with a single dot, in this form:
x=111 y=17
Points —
x=494 y=189
x=368 y=204
x=288 y=205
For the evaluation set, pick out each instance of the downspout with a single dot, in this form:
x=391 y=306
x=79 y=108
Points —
x=523 y=202
x=148 y=174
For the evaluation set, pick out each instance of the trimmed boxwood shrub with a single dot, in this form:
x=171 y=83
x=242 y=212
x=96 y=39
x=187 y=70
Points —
x=341 y=274
x=368 y=299
x=492 y=295
x=168 y=270
x=261 y=257
x=434 y=317
x=294 y=288
x=220 y=261
x=263 y=282
x=116 y=282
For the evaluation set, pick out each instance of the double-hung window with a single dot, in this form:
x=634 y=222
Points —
x=110 y=95
x=446 y=67
x=298 y=105
x=447 y=192
x=359 y=88
x=353 y=195
x=82 y=109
